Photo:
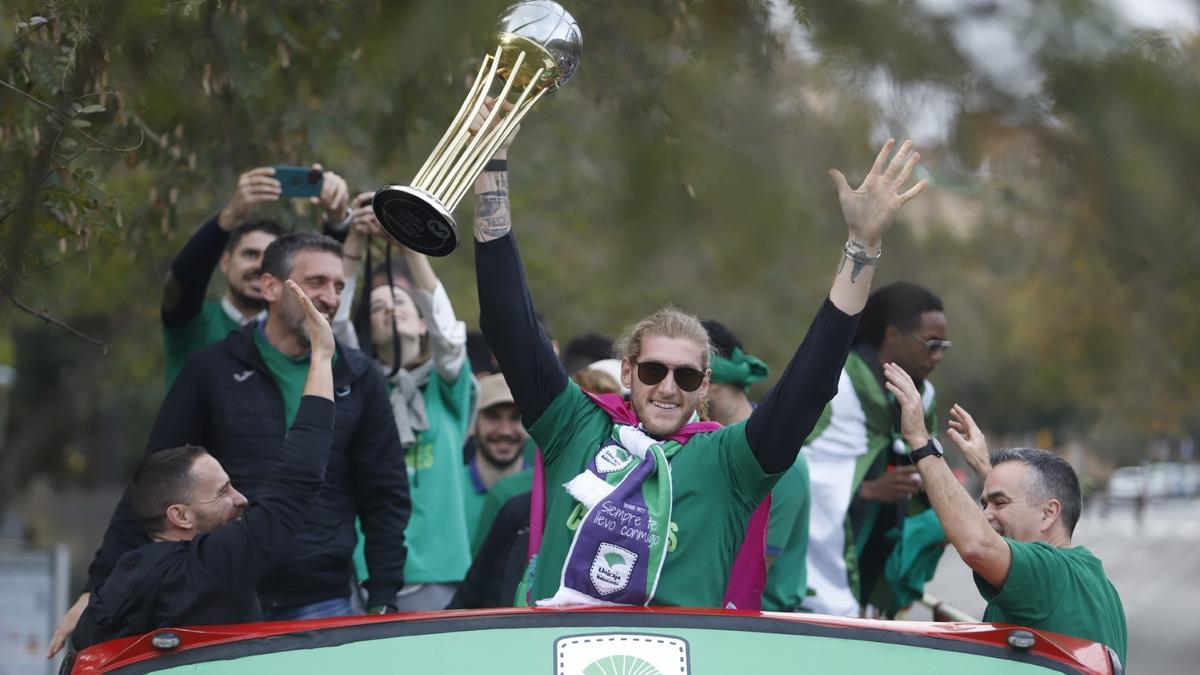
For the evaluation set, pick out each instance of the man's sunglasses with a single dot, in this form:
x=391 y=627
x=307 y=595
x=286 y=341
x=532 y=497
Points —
x=653 y=372
x=932 y=345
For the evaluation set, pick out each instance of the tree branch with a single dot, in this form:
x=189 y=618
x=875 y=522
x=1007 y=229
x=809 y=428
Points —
x=45 y=316
x=35 y=99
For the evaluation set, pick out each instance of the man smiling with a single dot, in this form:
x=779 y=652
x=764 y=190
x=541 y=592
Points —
x=499 y=441
x=654 y=505
x=208 y=549
x=1020 y=545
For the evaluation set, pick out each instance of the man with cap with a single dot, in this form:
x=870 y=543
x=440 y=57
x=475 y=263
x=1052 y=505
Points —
x=733 y=371
x=499 y=440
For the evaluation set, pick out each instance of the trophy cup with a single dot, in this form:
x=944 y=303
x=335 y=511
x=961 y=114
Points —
x=538 y=51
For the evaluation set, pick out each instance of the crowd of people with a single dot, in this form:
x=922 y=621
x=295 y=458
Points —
x=333 y=441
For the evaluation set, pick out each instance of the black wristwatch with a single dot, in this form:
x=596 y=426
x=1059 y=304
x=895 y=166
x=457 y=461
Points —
x=931 y=448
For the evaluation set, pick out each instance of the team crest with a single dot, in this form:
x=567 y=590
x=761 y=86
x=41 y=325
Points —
x=612 y=457
x=612 y=568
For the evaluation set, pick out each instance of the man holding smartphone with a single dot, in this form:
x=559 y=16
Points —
x=234 y=243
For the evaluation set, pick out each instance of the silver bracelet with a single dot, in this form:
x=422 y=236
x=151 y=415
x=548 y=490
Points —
x=857 y=253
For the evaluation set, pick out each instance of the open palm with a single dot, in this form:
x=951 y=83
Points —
x=869 y=209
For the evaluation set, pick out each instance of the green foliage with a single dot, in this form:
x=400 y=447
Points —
x=684 y=163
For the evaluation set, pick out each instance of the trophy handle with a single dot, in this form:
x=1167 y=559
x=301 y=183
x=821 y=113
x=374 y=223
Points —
x=444 y=187
x=446 y=153
x=471 y=97
x=494 y=140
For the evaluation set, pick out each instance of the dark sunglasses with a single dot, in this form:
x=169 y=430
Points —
x=932 y=345
x=653 y=372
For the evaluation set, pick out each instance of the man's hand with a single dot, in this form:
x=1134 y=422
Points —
x=320 y=335
x=912 y=412
x=967 y=436
x=254 y=187
x=868 y=210
x=335 y=195
x=481 y=117
x=67 y=625
x=363 y=219
x=893 y=486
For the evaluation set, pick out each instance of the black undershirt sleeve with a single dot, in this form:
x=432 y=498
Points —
x=192 y=269
x=787 y=414
x=532 y=370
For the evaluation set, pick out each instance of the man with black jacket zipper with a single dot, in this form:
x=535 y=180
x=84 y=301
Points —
x=236 y=397
x=209 y=549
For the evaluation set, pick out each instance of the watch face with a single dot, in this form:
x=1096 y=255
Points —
x=936 y=446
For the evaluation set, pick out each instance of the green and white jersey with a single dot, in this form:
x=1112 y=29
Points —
x=855 y=428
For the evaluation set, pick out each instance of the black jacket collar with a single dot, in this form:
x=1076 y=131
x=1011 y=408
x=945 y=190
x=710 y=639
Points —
x=350 y=365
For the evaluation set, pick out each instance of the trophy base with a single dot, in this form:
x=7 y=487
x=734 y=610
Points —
x=416 y=219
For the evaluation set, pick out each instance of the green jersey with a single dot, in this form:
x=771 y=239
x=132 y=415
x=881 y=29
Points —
x=856 y=428
x=288 y=372
x=717 y=483
x=1062 y=590
x=787 y=540
x=488 y=503
x=437 y=535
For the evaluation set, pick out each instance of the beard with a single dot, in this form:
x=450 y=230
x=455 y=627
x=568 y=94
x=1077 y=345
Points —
x=485 y=451
x=245 y=301
x=292 y=316
x=293 y=319
x=658 y=424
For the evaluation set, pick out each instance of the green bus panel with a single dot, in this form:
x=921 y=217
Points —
x=616 y=651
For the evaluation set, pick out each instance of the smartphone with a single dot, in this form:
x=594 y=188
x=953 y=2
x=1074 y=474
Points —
x=299 y=181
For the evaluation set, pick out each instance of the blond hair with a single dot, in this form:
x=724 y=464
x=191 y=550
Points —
x=668 y=322
x=596 y=381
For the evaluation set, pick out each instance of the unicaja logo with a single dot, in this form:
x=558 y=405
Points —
x=612 y=458
x=611 y=568
x=621 y=654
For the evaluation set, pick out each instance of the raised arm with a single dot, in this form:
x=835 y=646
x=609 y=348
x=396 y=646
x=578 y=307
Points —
x=447 y=335
x=239 y=553
x=786 y=415
x=187 y=280
x=358 y=237
x=506 y=316
x=967 y=528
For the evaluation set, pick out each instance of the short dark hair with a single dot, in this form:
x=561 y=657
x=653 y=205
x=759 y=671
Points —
x=584 y=350
x=1050 y=477
x=899 y=304
x=722 y=338
x=246 y=227
x=277 y=259
x=162 y=479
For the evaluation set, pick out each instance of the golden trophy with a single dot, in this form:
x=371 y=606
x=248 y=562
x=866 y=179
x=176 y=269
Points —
x=538 y=51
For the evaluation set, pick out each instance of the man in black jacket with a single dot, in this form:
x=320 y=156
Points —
x=236 y=398
x=209 y=550
x=234 y=243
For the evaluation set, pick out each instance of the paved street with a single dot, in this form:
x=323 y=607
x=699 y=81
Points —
x=1155 y=567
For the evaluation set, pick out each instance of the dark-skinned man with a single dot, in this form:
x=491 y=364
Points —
x=862 y=484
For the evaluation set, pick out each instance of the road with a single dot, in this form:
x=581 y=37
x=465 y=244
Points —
x=1155 y=567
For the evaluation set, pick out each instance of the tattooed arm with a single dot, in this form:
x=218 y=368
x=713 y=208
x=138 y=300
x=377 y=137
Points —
x=506 y=317
x=790 y=410
x=868 y=211
x=493 y=219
